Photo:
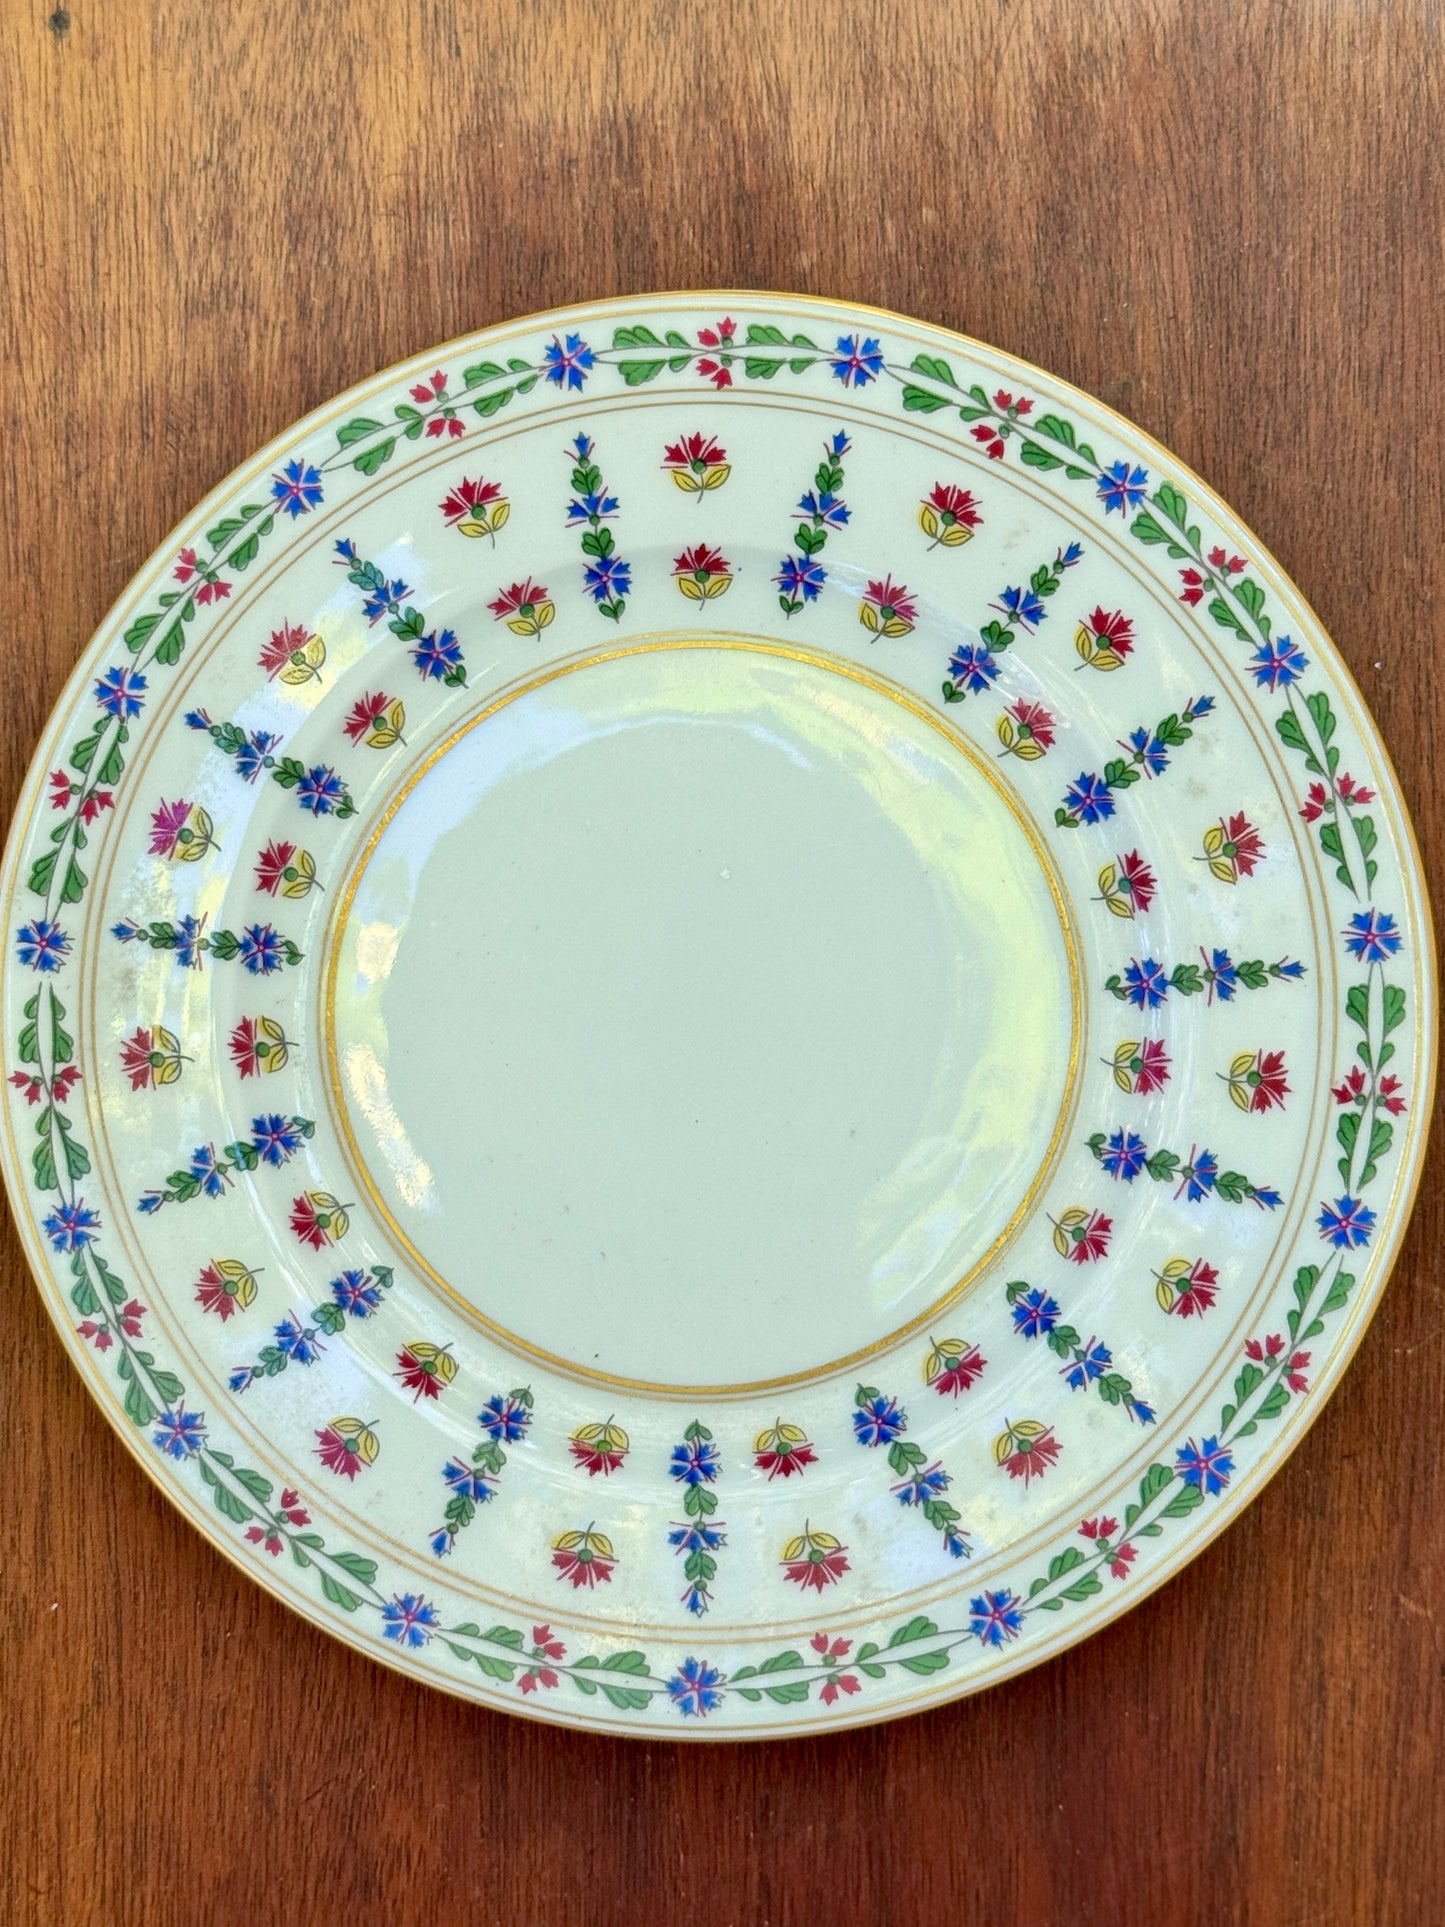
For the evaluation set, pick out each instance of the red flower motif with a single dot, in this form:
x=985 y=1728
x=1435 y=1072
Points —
x=836 y=1682
x=373 y=720
x=783 y=1450
x=444 y=422
x=1185 y=1289
x=1352 y=792
x=292 y=1509
x=1257 y=1080
x=697 y=452
x=63 y=792
x=1353 y=1087
x=212 y=588
x=166 y=825
x=1153 y=1071
x=468 y=500
x=986 y=433
x=525 y=607
x=266 y=1536
x=544 y=1647
x=318 y=1220
x=814 y=1560
x=1227 y=564
x=1011 y=407
x=888 y=609
x=1127 y=885
x=702 y=573
x=1026 y=730
x=61 y=1084
x=1111 y=630
x=1194 y=586
x=584 y=1558
x=1389 y=1095
x=425 y=1370
x=599 y=1448
x=1117 y=1558
x=1026 y=1448
x=1270 y=1350
x=1082 y=1236
x=286 y=649
x=98 y=1335
x=952 y=1366
x=949 y=515
x=271 y=866
x=225 y=1287
x=347 y=1446
x=135 y=1060
x=720 y=337
x=1233 y=848
x=1319 y=799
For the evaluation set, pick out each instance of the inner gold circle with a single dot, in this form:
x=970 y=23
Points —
x=850 y=672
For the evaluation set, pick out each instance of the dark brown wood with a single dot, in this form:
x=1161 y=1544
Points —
x=1225 y=220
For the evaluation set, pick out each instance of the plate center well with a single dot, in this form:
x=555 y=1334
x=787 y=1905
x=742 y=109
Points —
x=702 y=1015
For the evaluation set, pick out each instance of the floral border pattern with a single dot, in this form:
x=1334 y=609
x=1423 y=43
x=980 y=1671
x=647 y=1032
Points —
x=1159 y=516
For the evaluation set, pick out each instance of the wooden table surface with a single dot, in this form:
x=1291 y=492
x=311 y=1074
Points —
x=1226 y=221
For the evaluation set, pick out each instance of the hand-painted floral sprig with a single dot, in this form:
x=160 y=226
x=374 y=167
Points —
x=354 y=1294
x=1087 y=1362
x=879 y=1420
x=274 y=1141
x=1091 y=798
x=436 y=653
x=1146 y=983
x=260 y=948
x=318 y=790
x=1125 y=1155
x=505 y=1418
x=605 y=576
x=974 y=666
x=695 y=1464
x=821 y=511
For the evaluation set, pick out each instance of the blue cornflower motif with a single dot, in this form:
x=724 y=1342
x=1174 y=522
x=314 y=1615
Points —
x=1372 y=936
x=1088 y=800
x=697 y=1538
x=297 y=489
x=239 y=1379
x=995 y=1617
x=1268 y=1198
x=1092 y=1363
x=857 y=361
x=591 y=507
x=838 y=445
x=1223 y=975
x=205 y=1170
x=275 y=1139
x=800 y=578
x=922 y=1486
x=607 y=578
x=297 y=1344
x=70 y=1226
x=1139 y=1410
x=1208 y=1465
x=441 y=1541
x=696 y=1687
x=380 y=598
x=1022 y=605
x=697 y=1598
x=1201 y=706
x=468 y=1481
x=1275 y=665
x=1151 y=754
x=973 y=667
x=1292 y=971
x=150 y=1202
x=251 y=757
x=260 y=949
x=409 y=1619
x=188 y=942
x=1346 y=1224
x=126 y=931
x=346 y=549
x=437 y=654
x=1124 y=1155
x=581 y=446
x=1036 y=1314
x=1121 y=487
x=1146 y=984
x=354 y=1291
x=41 y=944
x=1069 y=556
x=1199 y=1175
x=955 y=1545
x=828 y=509
x=320 y=790
x=180 y=1433
x=567 y=364
x=121 y=692
x=198 y=719
x=695 y=1462
x=504 y=1419
x=878 y=1420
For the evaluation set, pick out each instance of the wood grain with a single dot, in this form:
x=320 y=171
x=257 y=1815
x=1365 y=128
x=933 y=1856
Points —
x=1225 y=221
